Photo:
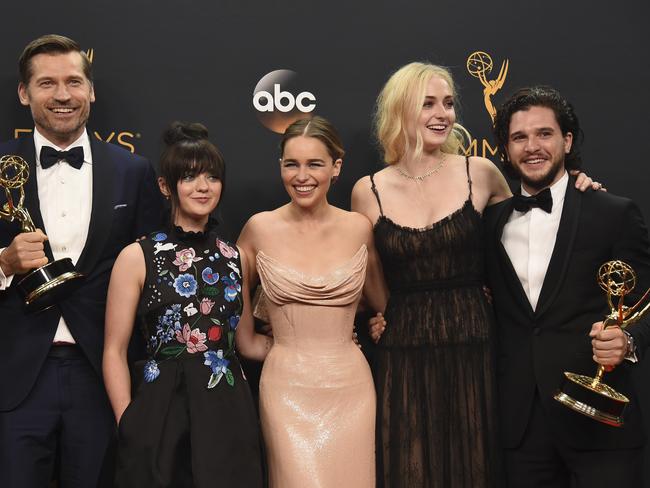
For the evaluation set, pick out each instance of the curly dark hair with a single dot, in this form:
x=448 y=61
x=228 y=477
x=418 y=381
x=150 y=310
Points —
x=538 y=96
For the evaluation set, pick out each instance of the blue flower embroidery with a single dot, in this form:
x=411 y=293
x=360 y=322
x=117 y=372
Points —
x=233 y=321
x=166 y=327
x=219 y=366
x=151 y=371
x=160 y=236
x=216 y=361
x=232 y=287
x=209 y=276
x=185 y=285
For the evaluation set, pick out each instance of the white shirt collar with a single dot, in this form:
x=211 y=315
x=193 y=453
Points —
x=558 y=190
x=83 y=140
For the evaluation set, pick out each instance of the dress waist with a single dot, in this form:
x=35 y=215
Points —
x=398 y=288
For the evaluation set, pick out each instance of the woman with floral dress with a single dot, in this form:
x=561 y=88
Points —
x=191 y=421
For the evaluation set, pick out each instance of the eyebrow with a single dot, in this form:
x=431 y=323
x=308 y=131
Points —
x=538 y=129
x=311 y=160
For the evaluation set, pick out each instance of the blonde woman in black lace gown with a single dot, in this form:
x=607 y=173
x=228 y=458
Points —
x=433 y=366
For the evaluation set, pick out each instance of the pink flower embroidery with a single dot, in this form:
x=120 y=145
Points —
x=206 y=306
x=185 y=258
x=226 y=250
x=194 y=339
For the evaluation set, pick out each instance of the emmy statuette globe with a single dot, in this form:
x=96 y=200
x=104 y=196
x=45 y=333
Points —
x=590 y=396
x=45 y=286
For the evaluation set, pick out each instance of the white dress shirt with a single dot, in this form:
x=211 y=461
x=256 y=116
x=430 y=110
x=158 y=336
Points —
x=65 y=196
x=529 y=239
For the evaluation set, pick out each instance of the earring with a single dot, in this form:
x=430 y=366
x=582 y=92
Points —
x=334 y=179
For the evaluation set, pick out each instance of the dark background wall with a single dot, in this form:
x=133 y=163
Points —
x=159 y=61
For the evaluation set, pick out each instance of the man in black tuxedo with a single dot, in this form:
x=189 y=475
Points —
x=544 y=248
x=88 y=200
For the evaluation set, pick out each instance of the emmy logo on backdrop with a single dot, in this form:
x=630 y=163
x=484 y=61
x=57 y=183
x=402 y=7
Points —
x=479 y=65
x=590 y=396
x=45 y=286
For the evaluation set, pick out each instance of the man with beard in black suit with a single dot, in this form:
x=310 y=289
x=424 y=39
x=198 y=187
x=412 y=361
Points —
x=88 y=200
x=544 y=248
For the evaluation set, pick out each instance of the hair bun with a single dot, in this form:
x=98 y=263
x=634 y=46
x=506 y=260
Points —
x=181 y=132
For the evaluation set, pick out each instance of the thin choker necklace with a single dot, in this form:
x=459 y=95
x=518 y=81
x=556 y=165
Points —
x=425 y=175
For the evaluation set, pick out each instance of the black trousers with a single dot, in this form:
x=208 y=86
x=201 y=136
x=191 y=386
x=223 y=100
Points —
x=63 y=428
x=541 y=461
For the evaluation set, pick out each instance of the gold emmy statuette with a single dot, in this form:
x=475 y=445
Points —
x=589 y=396
x=45 y=286
x=479 y=64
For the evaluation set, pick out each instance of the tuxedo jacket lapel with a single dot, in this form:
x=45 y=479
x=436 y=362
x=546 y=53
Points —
x=556 y=272
x=27 y=151
x=102 y=207
x=508 y=270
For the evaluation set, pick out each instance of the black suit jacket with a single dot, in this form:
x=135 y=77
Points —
x=536 y=347
x=126 y=204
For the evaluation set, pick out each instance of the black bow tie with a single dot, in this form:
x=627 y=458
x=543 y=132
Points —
x=50 y=156
x=543 y=200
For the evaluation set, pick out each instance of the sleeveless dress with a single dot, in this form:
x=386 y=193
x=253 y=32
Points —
x=433 y=366
x=317 y=399
x=191 y=422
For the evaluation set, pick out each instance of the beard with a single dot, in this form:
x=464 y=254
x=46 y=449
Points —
x=60 y=132
x=544 y=180
x=539 y=181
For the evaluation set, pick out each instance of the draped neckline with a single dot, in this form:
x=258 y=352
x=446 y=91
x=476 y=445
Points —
x=314 y=277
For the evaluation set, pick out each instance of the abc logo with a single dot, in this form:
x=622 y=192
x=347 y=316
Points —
x=280 y=100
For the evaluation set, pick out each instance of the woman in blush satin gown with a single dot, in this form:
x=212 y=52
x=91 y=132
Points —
x=317 y=399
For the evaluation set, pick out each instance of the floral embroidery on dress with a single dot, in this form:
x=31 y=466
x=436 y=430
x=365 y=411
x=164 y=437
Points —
x=219 y=366
x=232 y=289
x=206 y=306
x=226 y=250
x=193 y=339
x=185 y=259
x=185 y=285
x=208 y=312
x=209 y=276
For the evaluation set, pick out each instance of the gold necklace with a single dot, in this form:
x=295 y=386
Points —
x=425 y=175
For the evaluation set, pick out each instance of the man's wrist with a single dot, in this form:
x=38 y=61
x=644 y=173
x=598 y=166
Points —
x=5 y=270
x=630 y=353
x=6 y=277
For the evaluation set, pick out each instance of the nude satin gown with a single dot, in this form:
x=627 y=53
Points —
x=317 y=398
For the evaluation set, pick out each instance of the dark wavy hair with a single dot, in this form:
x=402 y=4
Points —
x=538 y=96
x=189 y=152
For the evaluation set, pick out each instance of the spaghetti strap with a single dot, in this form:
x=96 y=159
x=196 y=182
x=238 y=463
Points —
x=469 y=178
x=374 y=190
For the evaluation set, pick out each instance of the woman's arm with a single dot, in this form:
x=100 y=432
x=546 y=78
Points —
x=124 y=291
x=375 y=291
x=249 y=343
x=498 y=186
x=363 y=201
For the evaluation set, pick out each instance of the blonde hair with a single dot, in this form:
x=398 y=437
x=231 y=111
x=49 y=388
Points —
x=399 y=101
